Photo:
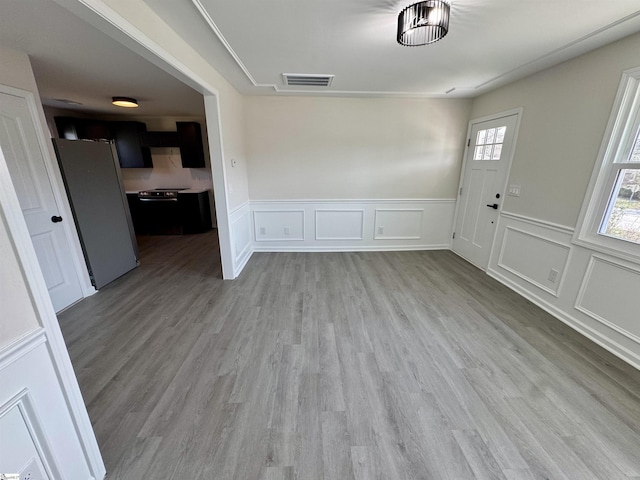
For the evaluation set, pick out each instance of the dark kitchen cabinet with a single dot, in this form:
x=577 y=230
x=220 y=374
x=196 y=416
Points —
x=195 y=211
x=131 y=152
x=189 y=213
x=190 y=144
x=160 y=139
x=134 y=143
x=137 y=215
x=72 y=128
x=128 y=137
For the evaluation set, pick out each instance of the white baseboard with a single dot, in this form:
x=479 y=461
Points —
x=385 y=248
x=241 y=262
x=526 y=261
x=630 y=357
x=340 y=225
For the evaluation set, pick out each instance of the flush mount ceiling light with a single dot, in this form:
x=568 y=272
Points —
x=423 y=23
x=126 y=102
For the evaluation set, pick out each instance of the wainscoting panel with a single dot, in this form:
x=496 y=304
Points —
x=33 y=408
x=241 y=237
x=609 y=294
x=593 y=293
x=544 y=269
x=339 y=224
x=398 y=224
x=352 y=225
x=21 y=452
x=278 y=225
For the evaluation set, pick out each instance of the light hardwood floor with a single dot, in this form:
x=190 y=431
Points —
x=395 y=365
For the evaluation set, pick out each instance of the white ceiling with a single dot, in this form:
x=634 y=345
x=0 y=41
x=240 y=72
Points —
x=74 y=61
x=253 y=42
x=490 y=42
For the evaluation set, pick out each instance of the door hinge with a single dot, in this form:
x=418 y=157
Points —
x=460 y=192
x=468 y=142
x=454 y=235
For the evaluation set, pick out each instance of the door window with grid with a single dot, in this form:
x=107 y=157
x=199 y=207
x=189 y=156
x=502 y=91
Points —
x=488 y=144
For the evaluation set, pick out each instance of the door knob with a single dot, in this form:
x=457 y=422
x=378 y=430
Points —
x=56 y=219
x=494 y=206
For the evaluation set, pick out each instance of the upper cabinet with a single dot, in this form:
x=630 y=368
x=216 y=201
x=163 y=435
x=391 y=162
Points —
x=127 y=136
x=190 y=144
x=73 y=128
x=131 y=152
x=134 y=143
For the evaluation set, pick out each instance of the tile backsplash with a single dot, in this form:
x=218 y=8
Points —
x=167 y=171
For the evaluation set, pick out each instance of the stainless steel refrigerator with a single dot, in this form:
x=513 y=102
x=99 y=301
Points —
x=91 y=174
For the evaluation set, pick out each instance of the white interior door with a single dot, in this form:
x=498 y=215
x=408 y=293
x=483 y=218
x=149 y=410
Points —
x=482 y=187
x=25 y=160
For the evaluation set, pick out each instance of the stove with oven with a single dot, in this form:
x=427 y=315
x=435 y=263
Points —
x=170 y=211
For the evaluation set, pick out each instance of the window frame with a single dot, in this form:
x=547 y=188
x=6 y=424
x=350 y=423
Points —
x=619 y=138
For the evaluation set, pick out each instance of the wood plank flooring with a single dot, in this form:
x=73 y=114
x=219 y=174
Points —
x=345 y=366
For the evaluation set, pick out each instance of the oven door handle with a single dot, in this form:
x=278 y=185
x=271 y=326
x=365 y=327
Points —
x=158 y=199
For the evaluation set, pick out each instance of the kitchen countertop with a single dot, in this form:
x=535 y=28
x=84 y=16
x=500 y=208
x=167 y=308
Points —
x=194 y=190
x=188 y=190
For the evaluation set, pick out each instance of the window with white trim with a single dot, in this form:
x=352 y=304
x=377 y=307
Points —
x=610 y=217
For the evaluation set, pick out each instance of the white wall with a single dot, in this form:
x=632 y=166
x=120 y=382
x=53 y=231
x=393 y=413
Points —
x=354 y=148
x=566 y=109
x=16 y=70
x=351 y=173
x=149 y=24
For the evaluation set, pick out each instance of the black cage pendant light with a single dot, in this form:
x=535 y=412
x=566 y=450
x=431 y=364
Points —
x=423 y=23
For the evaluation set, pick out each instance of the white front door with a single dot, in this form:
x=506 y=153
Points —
x=25 y=159
x=489 y=152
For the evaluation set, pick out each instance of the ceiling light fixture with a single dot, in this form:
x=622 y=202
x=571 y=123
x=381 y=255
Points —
x=126 y=102
x=423 y=23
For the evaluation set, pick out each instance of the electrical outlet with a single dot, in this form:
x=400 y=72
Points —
x=380 y=230
x=286 y=231
x=553 y=275
x=33 y=471
x=263 y=231
x=514 y=190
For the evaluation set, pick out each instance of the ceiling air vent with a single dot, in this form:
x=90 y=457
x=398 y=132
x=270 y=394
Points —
x=305 y=80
